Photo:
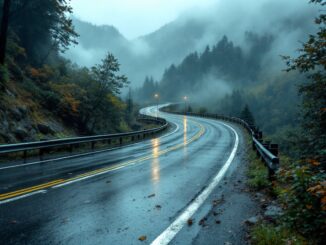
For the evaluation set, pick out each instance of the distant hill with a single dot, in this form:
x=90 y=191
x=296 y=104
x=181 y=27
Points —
x=151 y=54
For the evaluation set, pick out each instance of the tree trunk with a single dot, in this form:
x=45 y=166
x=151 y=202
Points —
x=4 y=30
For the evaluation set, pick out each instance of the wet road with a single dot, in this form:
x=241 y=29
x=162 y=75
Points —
x=146 y=189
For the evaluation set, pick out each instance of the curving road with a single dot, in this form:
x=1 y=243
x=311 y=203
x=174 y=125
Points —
x=149 y=190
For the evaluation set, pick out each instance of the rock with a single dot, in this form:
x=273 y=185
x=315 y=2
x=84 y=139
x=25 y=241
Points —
x=259 y=196
x=45 y=129
x=23 y=110
x=21 y=133
x=16 y=114
x=253 y=220
x=273 y=211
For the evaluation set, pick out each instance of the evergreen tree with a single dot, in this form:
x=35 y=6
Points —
x=247 y=116
x=312 y=62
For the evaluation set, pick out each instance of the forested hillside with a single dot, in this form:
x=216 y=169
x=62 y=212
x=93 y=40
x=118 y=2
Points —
x=225 y=77
x=42 y=94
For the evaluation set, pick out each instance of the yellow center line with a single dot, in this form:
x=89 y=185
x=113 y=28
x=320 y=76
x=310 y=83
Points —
x=102 y=170
x=30 y=189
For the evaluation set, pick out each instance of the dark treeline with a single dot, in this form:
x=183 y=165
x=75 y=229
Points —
x=222 y=61
x=37 y=81
x=225 y=77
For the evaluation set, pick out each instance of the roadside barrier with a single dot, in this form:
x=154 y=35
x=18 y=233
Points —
x=69 y=143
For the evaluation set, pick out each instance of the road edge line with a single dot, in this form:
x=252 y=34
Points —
x=169 y=233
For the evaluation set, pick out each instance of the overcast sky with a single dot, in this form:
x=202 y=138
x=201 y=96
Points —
x=134 y=18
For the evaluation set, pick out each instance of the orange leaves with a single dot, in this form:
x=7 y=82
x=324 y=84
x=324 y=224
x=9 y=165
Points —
x=142 y=238
x=70 y=96
x=34 y=72
x=319 y=191
x=313 y=162
x=43 y=74
x=309 y=206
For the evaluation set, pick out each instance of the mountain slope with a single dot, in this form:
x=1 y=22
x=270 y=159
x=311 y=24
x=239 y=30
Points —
x=150 y=54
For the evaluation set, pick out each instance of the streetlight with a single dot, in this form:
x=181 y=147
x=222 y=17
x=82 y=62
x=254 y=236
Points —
x=157 y=97
x=185 y=98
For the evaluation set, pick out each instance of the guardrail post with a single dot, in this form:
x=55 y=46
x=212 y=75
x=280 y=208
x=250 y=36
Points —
x=271 y=174
x=93 y=145
x=25 y=156
x=132 y=138
x=120 y=141
x=41 y=152
x=70 y=148
x=274 y=149
x=109 y=141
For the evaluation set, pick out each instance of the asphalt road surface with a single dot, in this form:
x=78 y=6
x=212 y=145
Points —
x=152 y=190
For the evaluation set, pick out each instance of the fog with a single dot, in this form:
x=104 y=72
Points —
x=190 y=27
x=134 y=18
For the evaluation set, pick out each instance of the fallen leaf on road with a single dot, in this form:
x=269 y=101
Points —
x=158 y=206
x=142 y=238
x=217 y=221
x=202 y=222
x=109 y=181
x=152 y=195
x=216 y=202
x=190 y=222
x=215 y=213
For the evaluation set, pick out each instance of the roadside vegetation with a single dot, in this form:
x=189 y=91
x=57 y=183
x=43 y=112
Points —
x=44 y=95
x=300 y=185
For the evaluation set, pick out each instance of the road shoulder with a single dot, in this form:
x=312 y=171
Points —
x=231 y=205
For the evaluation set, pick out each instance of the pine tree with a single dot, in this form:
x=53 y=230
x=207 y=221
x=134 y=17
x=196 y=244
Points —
x=247 y=116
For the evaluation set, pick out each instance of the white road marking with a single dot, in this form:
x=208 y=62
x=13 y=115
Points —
x=23 y=196
x=168 y=234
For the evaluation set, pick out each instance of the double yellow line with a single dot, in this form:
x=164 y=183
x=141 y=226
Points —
x=28 y=190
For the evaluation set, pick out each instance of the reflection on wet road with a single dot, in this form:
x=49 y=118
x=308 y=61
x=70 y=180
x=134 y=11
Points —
x=155 y=162
x=117 y=196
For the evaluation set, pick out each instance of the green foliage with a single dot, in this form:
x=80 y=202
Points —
x=312 y=63
x=257 y=173
x=247 y=115
x=304 y=197
x=105 y=75
x=43 y=27
x=264 y=234
x=304 y=181
x=4 y=76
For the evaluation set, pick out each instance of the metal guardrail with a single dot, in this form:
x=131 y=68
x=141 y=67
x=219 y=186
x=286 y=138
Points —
x=70 y=142
x=265 y=150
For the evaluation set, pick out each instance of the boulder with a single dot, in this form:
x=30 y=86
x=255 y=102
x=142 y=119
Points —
x=16 y=114
x=273 y=212
x=21 y=133
x=45 y=129
x=253 y=220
